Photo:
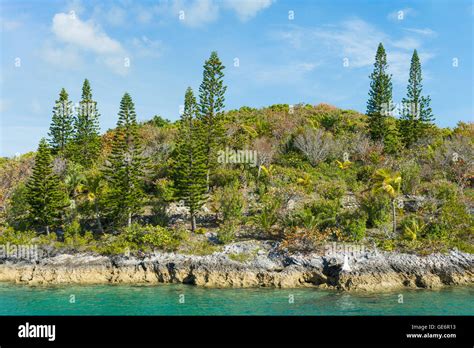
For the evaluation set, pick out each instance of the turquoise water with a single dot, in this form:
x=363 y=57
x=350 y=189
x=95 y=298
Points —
x=165 y=300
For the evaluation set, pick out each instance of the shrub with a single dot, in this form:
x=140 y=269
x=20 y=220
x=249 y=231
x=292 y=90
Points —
x=200 y=247
x=160 y=237
x=9 y=235
x=137 y=237
x=230 y=202
x=377 y=208
x=332 y=190
x=302 y=218
x=412 y=227
x=268 y=216
x=225 y=176
x=450 y=219
x=315 y=144
x=302 y=240
x=226 y=232
x=411 y=174
x=325 y=212
x=74 y=239
x=353 y=225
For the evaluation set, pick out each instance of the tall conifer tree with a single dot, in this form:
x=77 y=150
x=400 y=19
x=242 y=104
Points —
x=62 y=124
x=189 y=167
x=417 y=115
x=87 y=138
x=126 y=167
x=379 y=104
x=211 y=106
x=44 y=194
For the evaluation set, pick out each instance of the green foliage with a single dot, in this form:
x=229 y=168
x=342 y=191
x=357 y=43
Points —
x=45 y=196
x=73 y=237
x=189 y=167
x=377 y=208
x=211 y=106
x=325 y=211
x=353 y=225
x=229 y=202
x=450 y=219
x=332 y=190
x=17 y=210
x=266 y=218
x=411 y=174
x=227 y=231
x=380 y=96
x=136 y=237
x=164 y=194
x=61 y=130
x=159 y=121
x=9 y=235
x=417 y=115
x=86 y=146
x=200 y=247
x=126 y=169
x=412 y=227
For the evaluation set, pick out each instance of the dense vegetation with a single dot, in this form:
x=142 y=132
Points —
x=319 y=174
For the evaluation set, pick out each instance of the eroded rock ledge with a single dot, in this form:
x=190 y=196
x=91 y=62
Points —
x=263 y=266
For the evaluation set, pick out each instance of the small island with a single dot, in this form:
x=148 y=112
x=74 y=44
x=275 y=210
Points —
x=281 y=196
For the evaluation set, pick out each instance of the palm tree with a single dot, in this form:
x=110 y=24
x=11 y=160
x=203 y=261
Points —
x=74 y=181
x=388 y=182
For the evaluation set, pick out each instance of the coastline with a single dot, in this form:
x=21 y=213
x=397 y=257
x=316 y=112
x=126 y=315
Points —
x=264 y=266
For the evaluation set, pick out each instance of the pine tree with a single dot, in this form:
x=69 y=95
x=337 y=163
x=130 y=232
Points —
x=44 y=194
x=211 y=106
x=189 y=167
x=126 y=166
x=87 y=138
x=379 y=104
x=61 y=130
x=417 y=115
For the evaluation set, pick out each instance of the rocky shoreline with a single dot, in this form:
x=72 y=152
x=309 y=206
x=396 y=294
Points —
x=250 y=264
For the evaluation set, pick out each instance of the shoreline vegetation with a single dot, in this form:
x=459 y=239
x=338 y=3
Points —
x=247 y=197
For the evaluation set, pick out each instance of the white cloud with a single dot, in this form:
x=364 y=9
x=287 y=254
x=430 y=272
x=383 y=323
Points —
x=354 y=39
x=247 y=9
x=86 y=35
x=357 y=41
x=197 y=12
x=66 y=57
x=10 y=25
x=81 y=37
x=424 y=32
x=201 y=12
x=145 y=47
x=406 y=43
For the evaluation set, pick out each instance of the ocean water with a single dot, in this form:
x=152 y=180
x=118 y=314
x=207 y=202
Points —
x=177 y=299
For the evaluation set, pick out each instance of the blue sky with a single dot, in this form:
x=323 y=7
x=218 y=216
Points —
x=47 y=45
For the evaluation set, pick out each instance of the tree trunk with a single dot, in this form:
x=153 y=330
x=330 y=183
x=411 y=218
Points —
x=193 y=222
x=129 y=219
x=47 y=230
x=207 y=180
x=394 y=217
